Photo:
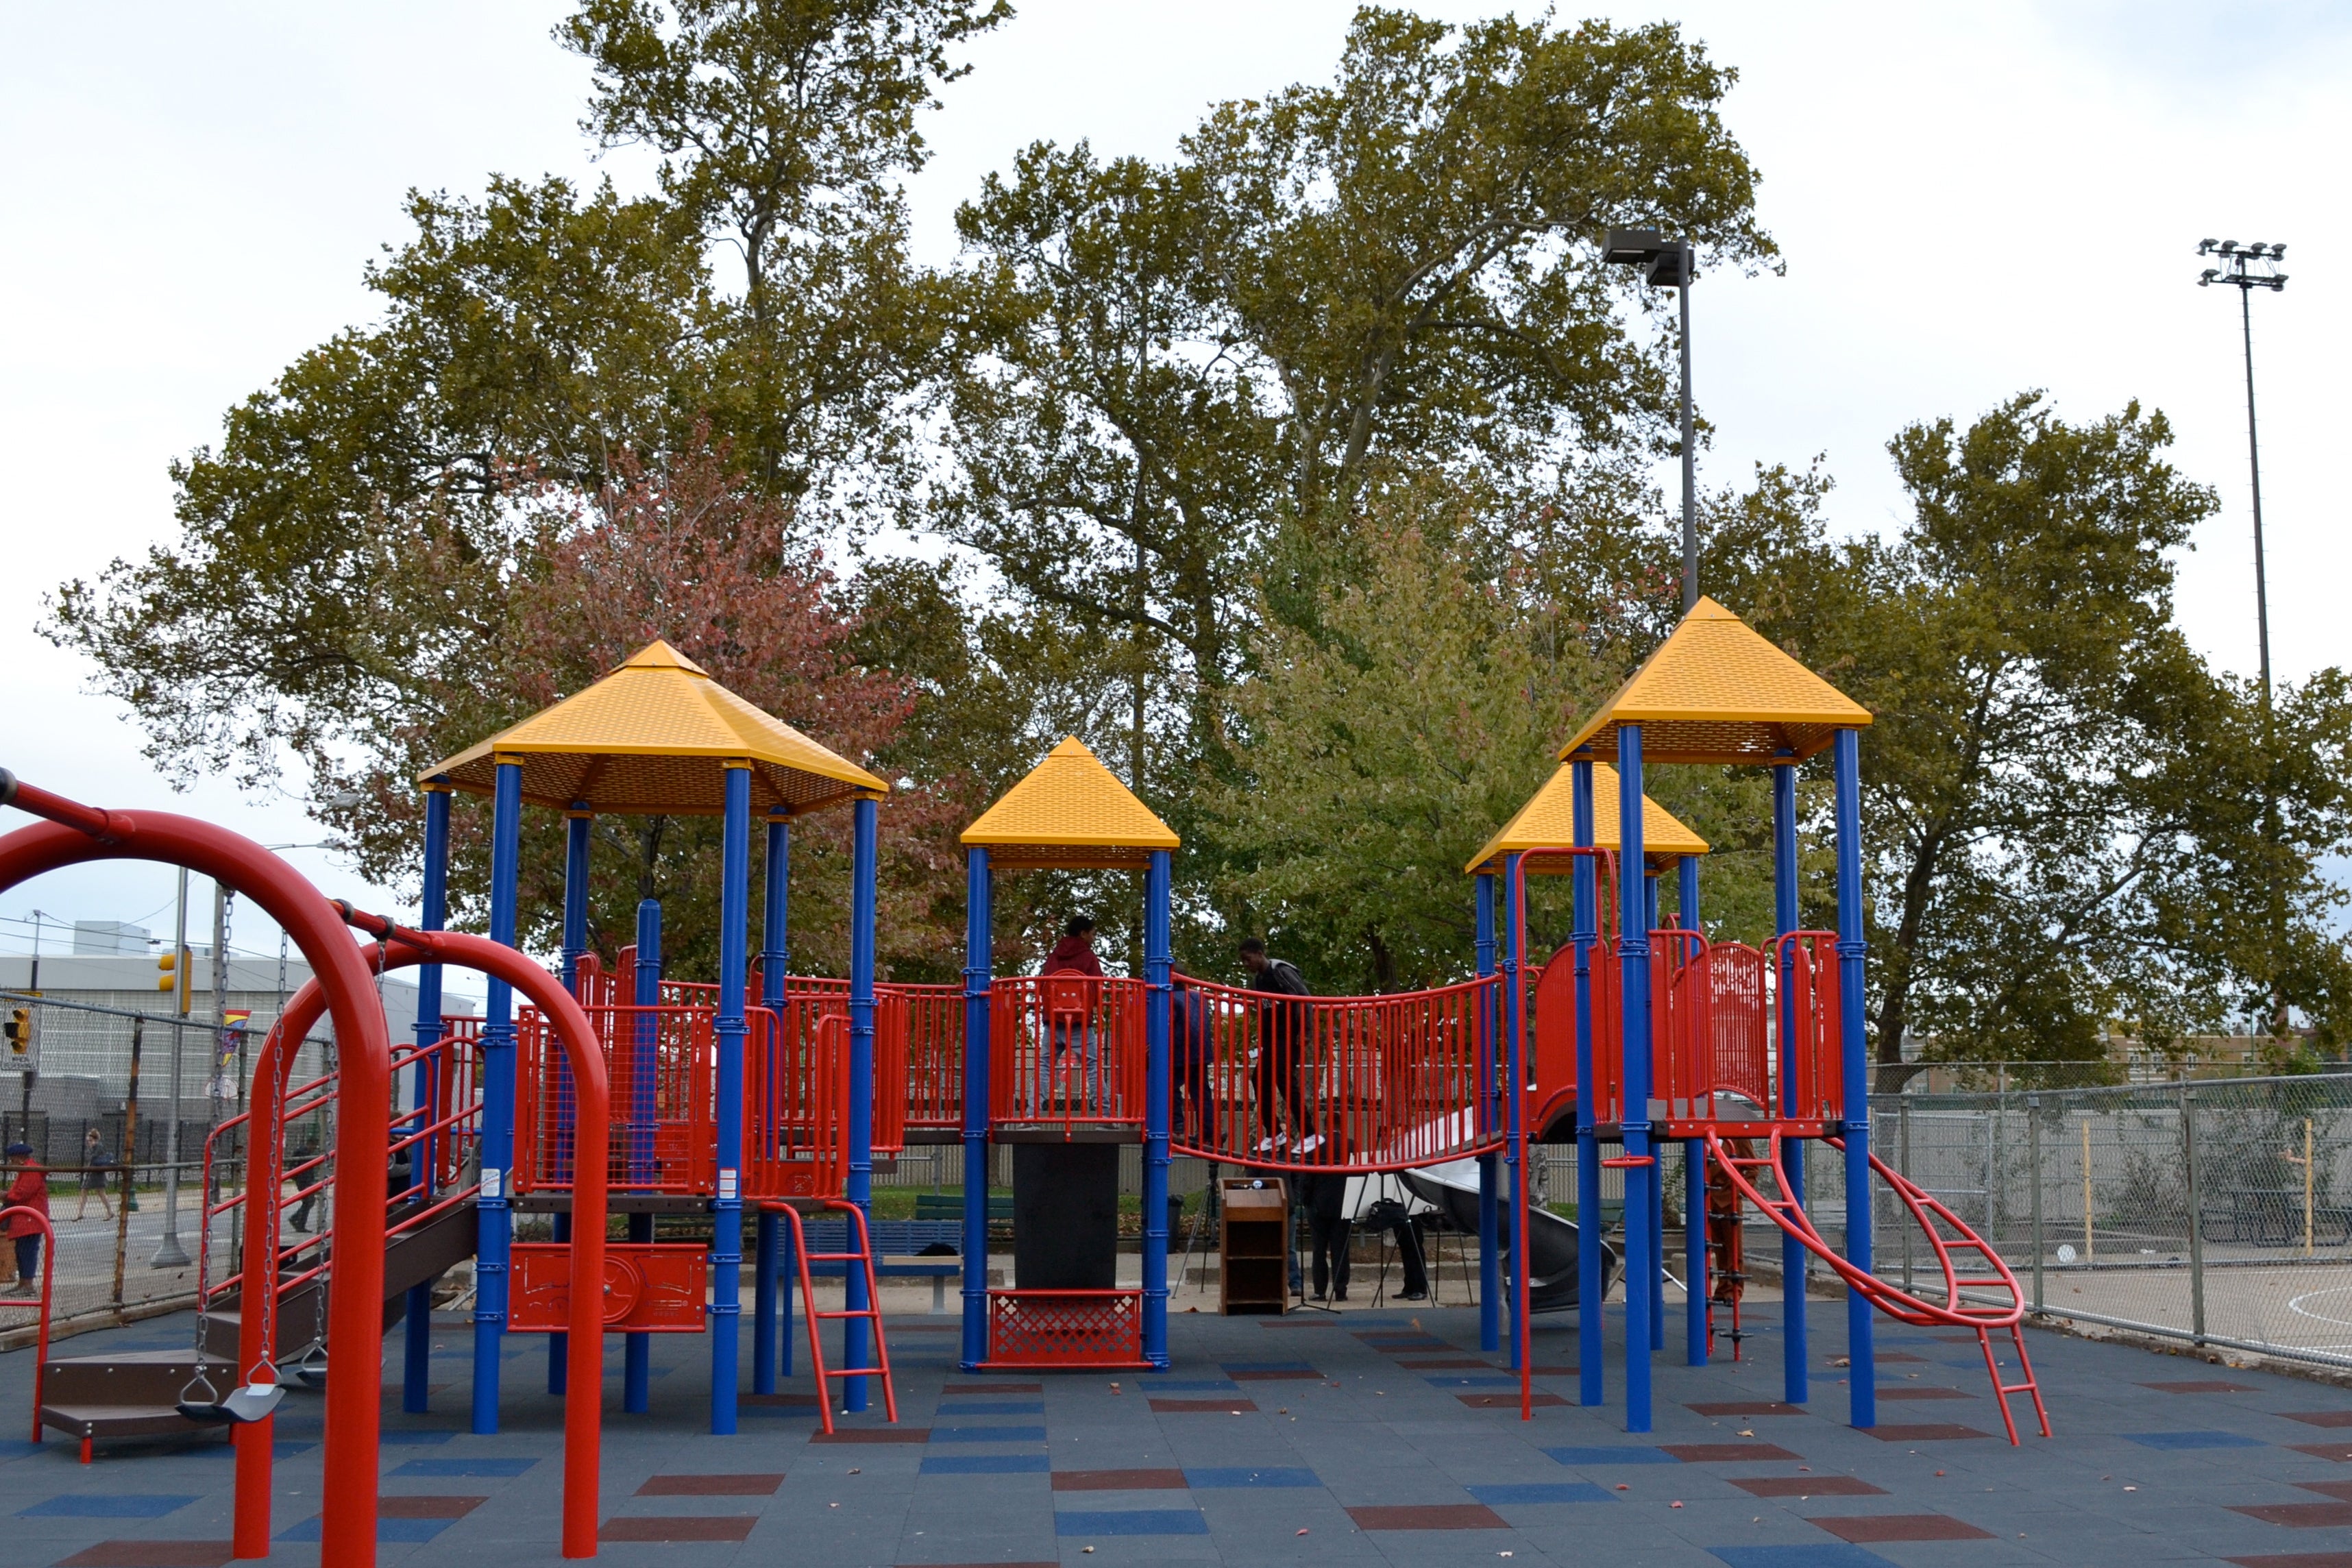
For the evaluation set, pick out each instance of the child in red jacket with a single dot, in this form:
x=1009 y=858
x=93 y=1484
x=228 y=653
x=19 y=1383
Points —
x=30 y=1189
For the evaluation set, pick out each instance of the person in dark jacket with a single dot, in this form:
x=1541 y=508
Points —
x=1285 y=1070
x=1324 y=1195
x=1192 y=1046
x=1074 y=954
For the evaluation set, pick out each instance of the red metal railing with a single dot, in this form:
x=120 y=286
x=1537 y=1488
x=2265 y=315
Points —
x=1339 y=1083
x=1067 y=1051
x=934 y=1101
x=1806 y=964
x=796 y=1100
x=661 y=1062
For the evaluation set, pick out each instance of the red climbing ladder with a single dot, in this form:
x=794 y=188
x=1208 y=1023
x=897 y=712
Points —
x=1945 y=1234
x=861 y=1254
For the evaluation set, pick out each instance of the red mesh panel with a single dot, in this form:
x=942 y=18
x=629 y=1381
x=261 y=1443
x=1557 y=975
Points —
x=1066 y=1327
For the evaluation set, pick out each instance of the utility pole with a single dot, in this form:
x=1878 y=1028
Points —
x=2249 y=268
x=170 y=1253
x=25 y=1111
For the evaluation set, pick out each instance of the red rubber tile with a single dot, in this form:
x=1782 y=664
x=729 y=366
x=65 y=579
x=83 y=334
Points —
x=1747 y=1407
x=1924 y=1432
x=2204 y=1385
x=2298 y=1515
x=1119 y=1480
x=1806 y=1486
x=1275 y=1376
x=1506 y=1401
x=1884 y=1356
x=1864 y=1529
x=1199 y=1407
x=2320 y=1417
x=2296 y=1560
x=2340 y=1490
x=701 y=1527
x=746 y=1485
x=1428 y=1516
x=427 y=1506
x=874 y=1434
x=152 y=1554
x=1722 y=1453
x=2339 y=1452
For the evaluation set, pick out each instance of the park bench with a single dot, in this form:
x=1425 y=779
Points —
x=903 y=1248
x=950 y=1206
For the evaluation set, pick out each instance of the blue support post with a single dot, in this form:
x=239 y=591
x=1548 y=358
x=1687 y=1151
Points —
x=1490 y=1287
x=856 y=1343
x=1158 y=1102
x=1650 y=901
x=637 y=1350
x=1657 y=1211
x=771 y=1335
x=1795 y=1382
x=728 y=1030
x=1695 y=1246
x=979 y=957
x=495 y=1247
x=1513 y=1145
x=416 y=1339
x=1633 y=953
x=1686 y=892
x=1586 y=933
x=576 y=825
x=1854 y=1062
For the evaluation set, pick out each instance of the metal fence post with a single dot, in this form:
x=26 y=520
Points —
x=2033 y=1154
x=1903 y=1133
x=2196 y=1218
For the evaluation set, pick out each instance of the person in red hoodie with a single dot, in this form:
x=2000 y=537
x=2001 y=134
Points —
x=30 y=1189
x=1074 y=954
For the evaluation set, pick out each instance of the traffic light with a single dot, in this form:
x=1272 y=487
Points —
x=169 y=962
x=19 y=1031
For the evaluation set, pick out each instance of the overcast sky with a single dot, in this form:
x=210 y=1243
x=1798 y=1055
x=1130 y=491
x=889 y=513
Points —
x=1972 y=199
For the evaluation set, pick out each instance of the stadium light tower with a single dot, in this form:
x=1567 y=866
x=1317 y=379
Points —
x=1668 y=264
x=2249 y=268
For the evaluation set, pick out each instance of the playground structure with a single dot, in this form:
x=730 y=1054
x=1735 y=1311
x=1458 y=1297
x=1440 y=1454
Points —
x=627 y=1090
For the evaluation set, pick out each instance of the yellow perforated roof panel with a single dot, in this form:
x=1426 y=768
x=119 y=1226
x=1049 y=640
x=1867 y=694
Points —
x=1070 y=810
x=1548 y=822
x=1716 y=692
x=653 y=738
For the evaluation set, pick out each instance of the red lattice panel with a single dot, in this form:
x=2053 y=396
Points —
x=1066 y=1327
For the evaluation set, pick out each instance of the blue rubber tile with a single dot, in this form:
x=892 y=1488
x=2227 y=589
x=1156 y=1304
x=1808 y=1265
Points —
x=1542 y=1492
x=1266 y=1365
x=18 y=1450
x=779 y=1412
x=482 y=1464
x=993 y=1408
x=413 y=1439
x=1600 y=1458
x=109 y=1505
x=2192 y=1440
x=1193 y=1385
x=1130 y=1522
x=988 y=1434
x=1218 y=1477
x=402 y=1530
x=1832 y=1554
x=986 y=1465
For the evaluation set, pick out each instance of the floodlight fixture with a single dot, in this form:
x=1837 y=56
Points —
x=1670 y=264
x=2250 y=268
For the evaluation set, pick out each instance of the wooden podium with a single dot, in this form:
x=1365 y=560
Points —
x=1253 y=1249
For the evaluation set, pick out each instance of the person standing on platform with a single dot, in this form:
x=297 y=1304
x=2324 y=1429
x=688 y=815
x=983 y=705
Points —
x=30 y=1189
x=1074 y=954
x=1283 y=1029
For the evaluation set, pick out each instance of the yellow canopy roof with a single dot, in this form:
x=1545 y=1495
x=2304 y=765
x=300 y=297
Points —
x=1716 y=692
x=1548 y=822
x=653 y=738
x=1069 y=811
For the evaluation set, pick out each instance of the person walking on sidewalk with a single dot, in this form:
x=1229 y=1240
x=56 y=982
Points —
x=95 y=1165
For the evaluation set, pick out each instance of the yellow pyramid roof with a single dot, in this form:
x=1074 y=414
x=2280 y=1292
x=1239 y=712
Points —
x=1069 y=811
x=652 y=738
x=1548 y=822
x=1716 y=692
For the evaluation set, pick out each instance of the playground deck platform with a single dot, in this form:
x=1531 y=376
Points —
x=1371 y=1436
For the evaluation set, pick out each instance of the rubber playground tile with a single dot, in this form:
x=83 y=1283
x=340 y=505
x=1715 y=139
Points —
x=416 y=1506
x=2185 y=1440
x=744 y=1485
x=1924 y=1432
x=779 y=1400
x=2319 y=1417
x=985 y=1465
x=1805 y=1485
x=1876 y=1527
x=1810 y=1555
x=413 y=1439
x=1923 y=1391
x=479 y=1465
x=873 y=1435
x=695 y=1527
x=1884 y=1356
x=1428 y=1516
x=1261 y=1368
x=1726 y=1453
x=2219 y=1385
x=2340 y=1490
x=410 y=1532
x=153 y=1554
x=1223 y=1477
x=2295 y=1560
x=1525 y=1494
x=106 y=1505
x=991 y=1388
x=1487 y=1380
x=1119 y=1480
x=1200 y=1406
x=2341 y=1453
x=1464 y=1364
x=1307 y=1375
x=1602 y=1459
x=988 y=1434
x=1747 y=1407
x=991 y=1407
x=2297 y=1515
x=1192 y=1385
x=1129 y=1521
x=1507 y=1400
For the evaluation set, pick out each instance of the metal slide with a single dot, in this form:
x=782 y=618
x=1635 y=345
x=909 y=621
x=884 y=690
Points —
x=1453 y=1189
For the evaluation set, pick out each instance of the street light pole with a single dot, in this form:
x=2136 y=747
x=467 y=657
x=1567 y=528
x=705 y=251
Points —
x=1669 y=264
x=170 y=1254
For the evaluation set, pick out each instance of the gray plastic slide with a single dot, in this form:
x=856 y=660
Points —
x=1453 y=1188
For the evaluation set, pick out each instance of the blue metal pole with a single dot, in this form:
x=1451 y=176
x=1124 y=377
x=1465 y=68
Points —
x=768 y=1344
x=1686 y=892
x=1658 y=1212
x=1513 y=1148
x=1695 y=1246
x=577 y=822
x=1490 y=1274
x=1590 y=1307
x=1795 y=1382
x=1650 y=900
x=977 y=960
x=495 y=1247
x=416 y=1340
x=854 y=1342
x=728 y=1030
x=1633 y=953
x=1845 y=755
x=1159 y=964
x=637 y=1350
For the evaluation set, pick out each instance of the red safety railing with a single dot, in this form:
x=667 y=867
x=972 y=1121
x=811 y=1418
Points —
x=1067 y=1051
x=1352 y=1083
x=934 y=1099
x=1805 y=965
x=1742 y=1023
x=661 y=1066
x=796 y=1100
